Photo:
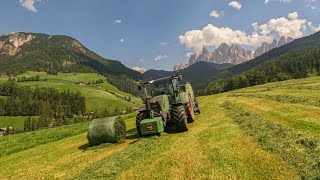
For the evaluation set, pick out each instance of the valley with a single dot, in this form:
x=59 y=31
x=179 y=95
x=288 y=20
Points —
x=160 y=90
x=99 y=97
x=240 y=134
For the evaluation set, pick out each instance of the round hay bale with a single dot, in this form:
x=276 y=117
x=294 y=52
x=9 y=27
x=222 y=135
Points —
x=106 y=130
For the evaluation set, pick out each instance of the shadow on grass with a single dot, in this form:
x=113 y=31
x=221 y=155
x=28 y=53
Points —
x=172 y=129
x=87 y=147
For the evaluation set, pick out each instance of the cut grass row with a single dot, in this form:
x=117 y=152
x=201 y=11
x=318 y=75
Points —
x=300 y=118
x=300 y=151
x=283 y=98
x=19 y=142
x=213 y=148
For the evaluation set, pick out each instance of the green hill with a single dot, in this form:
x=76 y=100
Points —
x=270 y=131
x=98 y=96
x=20 y=52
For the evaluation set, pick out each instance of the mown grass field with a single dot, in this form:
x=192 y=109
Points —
x=97 y=98
x=264 y=132
x=16 y=122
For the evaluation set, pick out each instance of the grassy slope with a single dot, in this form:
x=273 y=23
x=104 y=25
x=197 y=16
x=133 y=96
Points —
x=239 y=135
x=97 y=99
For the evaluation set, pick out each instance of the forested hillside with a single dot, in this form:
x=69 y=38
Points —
x=197 y=74
x=20 y=52
x=298 y=59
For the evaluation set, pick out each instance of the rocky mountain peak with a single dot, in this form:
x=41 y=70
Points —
x=265 y=47
x=10 y=43
x=225 y=53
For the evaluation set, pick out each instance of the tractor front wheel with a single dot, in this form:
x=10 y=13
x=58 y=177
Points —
x=141 y=116
x=180 y=117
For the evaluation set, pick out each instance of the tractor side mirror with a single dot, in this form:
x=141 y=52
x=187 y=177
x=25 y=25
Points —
x=139 y=88
x=179 y=77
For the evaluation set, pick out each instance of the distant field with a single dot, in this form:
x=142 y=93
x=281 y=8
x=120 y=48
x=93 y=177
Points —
x=2 y=80
x=96 y=98
x=16 y=122
x=239 y=135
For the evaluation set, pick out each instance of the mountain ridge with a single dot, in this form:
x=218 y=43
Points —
x=197 y=74
x=235 y=53
x=297 y=59
x=22 y=51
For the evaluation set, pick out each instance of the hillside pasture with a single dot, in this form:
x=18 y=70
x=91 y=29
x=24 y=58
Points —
x=97 y=96
x=238 y=135
x=16 y=122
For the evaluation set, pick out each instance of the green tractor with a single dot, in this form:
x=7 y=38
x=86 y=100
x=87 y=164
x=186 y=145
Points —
x=169 y=105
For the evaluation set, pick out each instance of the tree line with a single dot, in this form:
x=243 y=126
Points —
x=32 y=78
x=25 y=101
x=125 y=84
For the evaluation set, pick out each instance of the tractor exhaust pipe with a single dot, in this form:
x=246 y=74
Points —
x=148 y=106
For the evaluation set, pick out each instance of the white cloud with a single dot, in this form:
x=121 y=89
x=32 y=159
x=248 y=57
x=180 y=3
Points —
x=163 y=43
x=281 y=1
x=293 y=15
x=121 y=40
x=29 y=4
x=214 y=14
x=235 y=5
x=313 y=28
x=292 y=27
x=160 y=57
x=212 y=36
x=118 y=21
x=255 y=26
x=139 y=69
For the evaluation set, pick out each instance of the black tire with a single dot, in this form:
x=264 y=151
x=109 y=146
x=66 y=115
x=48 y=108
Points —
x=190 y=111
x=197 y=109
x=180 y=117
x=141 y=116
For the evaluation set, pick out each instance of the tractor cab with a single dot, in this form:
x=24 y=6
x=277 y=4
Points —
x=166 y=86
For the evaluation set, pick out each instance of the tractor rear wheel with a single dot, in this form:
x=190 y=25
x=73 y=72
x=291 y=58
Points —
x=197 y=109
x=190 y=111
x=180 y=117
x=141 y=116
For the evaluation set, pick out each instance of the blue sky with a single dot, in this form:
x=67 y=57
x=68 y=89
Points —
x=160 y=33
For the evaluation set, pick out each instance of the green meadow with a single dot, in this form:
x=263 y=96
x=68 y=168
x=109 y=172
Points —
x=98 y=97
x=16 y=122
x=265 y=132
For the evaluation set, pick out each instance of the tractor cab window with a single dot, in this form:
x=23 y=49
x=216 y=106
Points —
x=162 y=87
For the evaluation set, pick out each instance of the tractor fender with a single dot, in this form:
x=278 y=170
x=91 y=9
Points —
x=182 y=98
x=189 y=90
